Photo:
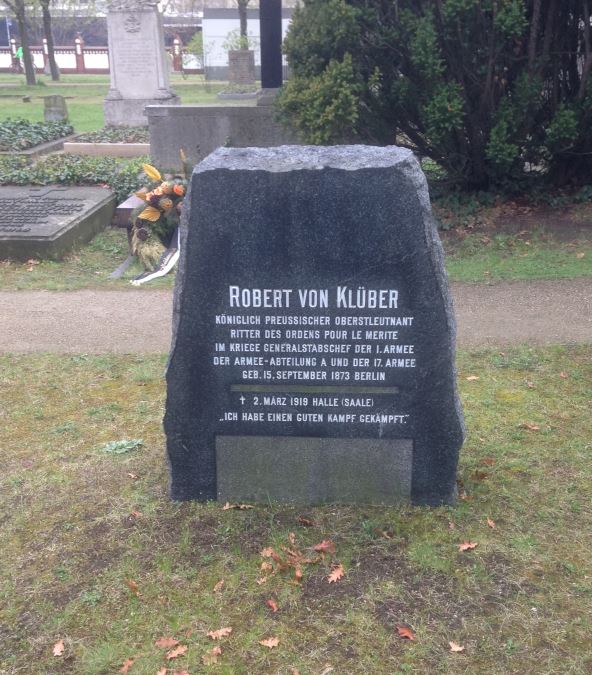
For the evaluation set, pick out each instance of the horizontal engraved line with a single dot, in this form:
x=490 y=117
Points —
x=309 y=389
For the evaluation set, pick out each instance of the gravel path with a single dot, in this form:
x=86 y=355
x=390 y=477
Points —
x=138 y=321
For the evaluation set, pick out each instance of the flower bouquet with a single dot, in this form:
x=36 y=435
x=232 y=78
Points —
x=155 y=223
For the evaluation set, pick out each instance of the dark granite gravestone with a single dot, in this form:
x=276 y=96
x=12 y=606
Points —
x=313 y=335
x=46 y=222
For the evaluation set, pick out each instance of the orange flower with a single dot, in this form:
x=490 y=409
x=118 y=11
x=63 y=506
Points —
x=179 y=190
x=158 y=191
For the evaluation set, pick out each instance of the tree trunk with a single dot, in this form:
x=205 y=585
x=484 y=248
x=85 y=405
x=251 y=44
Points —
x=19 y=10
x=53 y=66
x=242 y=16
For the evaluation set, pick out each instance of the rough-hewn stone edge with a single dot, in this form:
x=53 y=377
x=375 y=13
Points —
x=286 y=158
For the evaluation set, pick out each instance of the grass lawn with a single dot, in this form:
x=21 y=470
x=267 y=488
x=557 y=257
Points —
x=85 y=94
x=502 y=257
x=93 y=553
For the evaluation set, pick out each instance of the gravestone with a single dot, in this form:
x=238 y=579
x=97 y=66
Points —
x=46 y=222
x=137 y=61
x=54 y=108
x=313 y=335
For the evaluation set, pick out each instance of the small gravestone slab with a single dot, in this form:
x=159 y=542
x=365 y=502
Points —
x=313 y=349
x=55 y=109
x=46 y=222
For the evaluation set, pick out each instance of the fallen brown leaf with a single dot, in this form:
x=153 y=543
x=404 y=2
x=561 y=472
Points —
x=58 y=648
x=260 y=581
x=480 y=475
x=451 y=526
x=267 y=552
x=472 y=378
x=266 y=566
x=467 y=546
x=127 y=664
x=326 y=546
x=292 y=539
x=463 y=496
x=133 y=586
x=272 y=604
x=530 y=385
x=220 y=633
x=270 y=643
x=488 y=461
x=133 y=476
x=491 y=523
x=176 y=652
x=405 y=632
x=298 y=574
x=580 y=255
x=180 y=672
x=211 y=657
x=336 y=574
x=327 y=670
x=219 y=586
x=305 y=522
x=240 y=507
x=529 y=426
x=456 y=648
x=563 y=375
x=166 y=642
x=136 y=514
x=162 y=671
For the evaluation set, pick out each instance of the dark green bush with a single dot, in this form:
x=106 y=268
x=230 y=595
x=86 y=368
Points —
x=497 y=92
x=121 y=175
x=19 y=134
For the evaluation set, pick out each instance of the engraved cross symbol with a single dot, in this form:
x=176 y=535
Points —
x=242 y=399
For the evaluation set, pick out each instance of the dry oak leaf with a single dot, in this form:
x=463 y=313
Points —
x=472 y=378
x=211 y=657
x=219 y=586
x=491 y=523
x=270 y=643
x=127 y=664
x=467 y=546
x=292 y=539
x=405 y=632
x=456 y=648
x=529 y=426
x=260 y=581
x=133 y=586
x=326 y=546
x=176 y=652
x=488 y=461
x=272 y=604
x=267 y=552
x=166 y=642
x=305 y=522
x=58 y=648
x=162 y=671
x=240 y=507
x=336 y=574
x=563 y=375
x=220 y=633
x=580 y=255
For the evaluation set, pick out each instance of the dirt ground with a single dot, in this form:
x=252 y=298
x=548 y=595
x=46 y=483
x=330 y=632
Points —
x=139 y=321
